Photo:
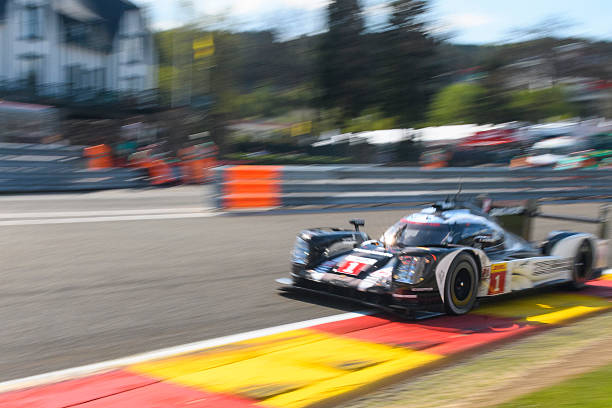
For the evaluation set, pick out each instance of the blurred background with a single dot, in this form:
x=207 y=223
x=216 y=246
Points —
x=131 y=95
x=405 y=82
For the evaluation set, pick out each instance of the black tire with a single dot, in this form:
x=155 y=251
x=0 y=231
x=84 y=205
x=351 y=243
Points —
x=461 y=286
x=583 y=265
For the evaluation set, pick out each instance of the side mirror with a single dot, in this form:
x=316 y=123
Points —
x=357 y=223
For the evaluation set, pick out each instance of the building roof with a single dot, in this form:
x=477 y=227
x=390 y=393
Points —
x=110 y=11
x=2 y=8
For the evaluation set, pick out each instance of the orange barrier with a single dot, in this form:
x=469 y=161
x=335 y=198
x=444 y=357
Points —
x=196 y=165
x=435 y=159
x=160 y=172
x=253 y=172
x=519 y=162
x=99 y=157
x=251 y=187
x=435 y=165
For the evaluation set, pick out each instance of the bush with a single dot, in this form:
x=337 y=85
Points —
x=541 y=104
x=457 y=104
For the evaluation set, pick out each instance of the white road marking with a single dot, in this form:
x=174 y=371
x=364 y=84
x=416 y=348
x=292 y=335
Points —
x=128 y=194
x=101 y=213
x=70 y=373
x=108 y=219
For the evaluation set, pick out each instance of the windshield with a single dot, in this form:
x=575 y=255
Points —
x=405 y=234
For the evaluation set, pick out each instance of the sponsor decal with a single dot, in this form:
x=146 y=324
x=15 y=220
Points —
x=354 y=265
x=486 y=273
x=498 y=278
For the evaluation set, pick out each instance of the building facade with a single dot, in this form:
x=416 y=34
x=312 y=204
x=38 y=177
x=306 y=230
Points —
x=64 y=47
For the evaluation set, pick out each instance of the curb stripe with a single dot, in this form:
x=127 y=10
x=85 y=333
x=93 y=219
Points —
x=313 y=362
x=89 y=369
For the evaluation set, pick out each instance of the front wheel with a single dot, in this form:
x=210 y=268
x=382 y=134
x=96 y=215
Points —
x=583 y=265
x=461 y=285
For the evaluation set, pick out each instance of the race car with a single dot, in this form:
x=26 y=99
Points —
x=449 y=254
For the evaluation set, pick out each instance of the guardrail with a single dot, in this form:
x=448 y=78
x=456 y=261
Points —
x=26 y=168
x=294 y=186
x=45 y=178
x=39 y=152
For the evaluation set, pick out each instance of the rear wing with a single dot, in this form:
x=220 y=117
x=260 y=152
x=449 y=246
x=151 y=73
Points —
x=517 y=217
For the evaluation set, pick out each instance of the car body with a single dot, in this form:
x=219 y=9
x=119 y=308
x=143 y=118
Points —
x=449 y=254
x=489 y=146
x=599 y=155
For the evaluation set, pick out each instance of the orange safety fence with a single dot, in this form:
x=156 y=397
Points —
x=99 y=157
x=251 y=187
x=160 y=172
x=196 y=168
x=435 y=165
x=519 y=162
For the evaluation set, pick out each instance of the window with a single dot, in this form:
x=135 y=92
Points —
x=136 y=83
x=73 y=76
x=31 y=23
x=31 y=69
x=134 y=49
x=85 y=34
x=100 y=78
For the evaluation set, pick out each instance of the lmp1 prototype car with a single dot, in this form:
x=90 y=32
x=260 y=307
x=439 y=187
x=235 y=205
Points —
x=451 y=254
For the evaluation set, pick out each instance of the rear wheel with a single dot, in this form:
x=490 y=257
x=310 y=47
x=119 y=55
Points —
x=461 y=285
x=583 y=265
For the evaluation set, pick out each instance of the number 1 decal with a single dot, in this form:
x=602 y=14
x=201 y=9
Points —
x=498 y=278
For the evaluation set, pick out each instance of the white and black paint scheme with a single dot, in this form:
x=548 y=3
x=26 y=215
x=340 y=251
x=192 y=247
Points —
x=451 y=254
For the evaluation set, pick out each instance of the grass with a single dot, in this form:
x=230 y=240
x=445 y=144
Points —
x=481 y=379
x=592 y=390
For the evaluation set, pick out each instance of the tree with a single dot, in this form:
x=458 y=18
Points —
x=343 y=60
x=456 y=104
x=408 y=63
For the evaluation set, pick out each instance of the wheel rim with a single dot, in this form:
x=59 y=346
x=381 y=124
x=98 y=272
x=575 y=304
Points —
x=462 y=287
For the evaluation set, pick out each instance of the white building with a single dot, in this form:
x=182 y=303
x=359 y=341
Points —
x=60 y=46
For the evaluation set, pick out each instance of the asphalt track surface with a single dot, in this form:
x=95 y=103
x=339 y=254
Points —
x=77 y=292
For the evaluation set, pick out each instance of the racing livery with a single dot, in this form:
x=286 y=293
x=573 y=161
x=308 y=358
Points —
x=451 y=254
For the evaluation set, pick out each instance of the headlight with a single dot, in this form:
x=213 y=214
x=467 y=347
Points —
x=411 y=269
x=299 y=255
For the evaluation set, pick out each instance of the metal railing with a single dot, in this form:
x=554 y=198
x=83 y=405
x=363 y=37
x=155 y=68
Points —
x=28 y=168
x=323 y=186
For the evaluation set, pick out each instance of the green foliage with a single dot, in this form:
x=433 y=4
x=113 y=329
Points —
x=407 y=62
x=343 y=60
x=374 y=78
x=266 y=102
x=458 y=103
x=250 y=74
x=592 y=390
x=371 y=119
x=540 y=104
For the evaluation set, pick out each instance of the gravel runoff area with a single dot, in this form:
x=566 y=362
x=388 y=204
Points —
x=507 y=373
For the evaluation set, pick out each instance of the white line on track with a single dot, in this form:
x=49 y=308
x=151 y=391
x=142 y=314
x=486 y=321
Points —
x=102 y=213
x=110 y=218
x=70 y=373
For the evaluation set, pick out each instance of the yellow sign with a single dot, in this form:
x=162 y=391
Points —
x=203 y=47
x=302 y=128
